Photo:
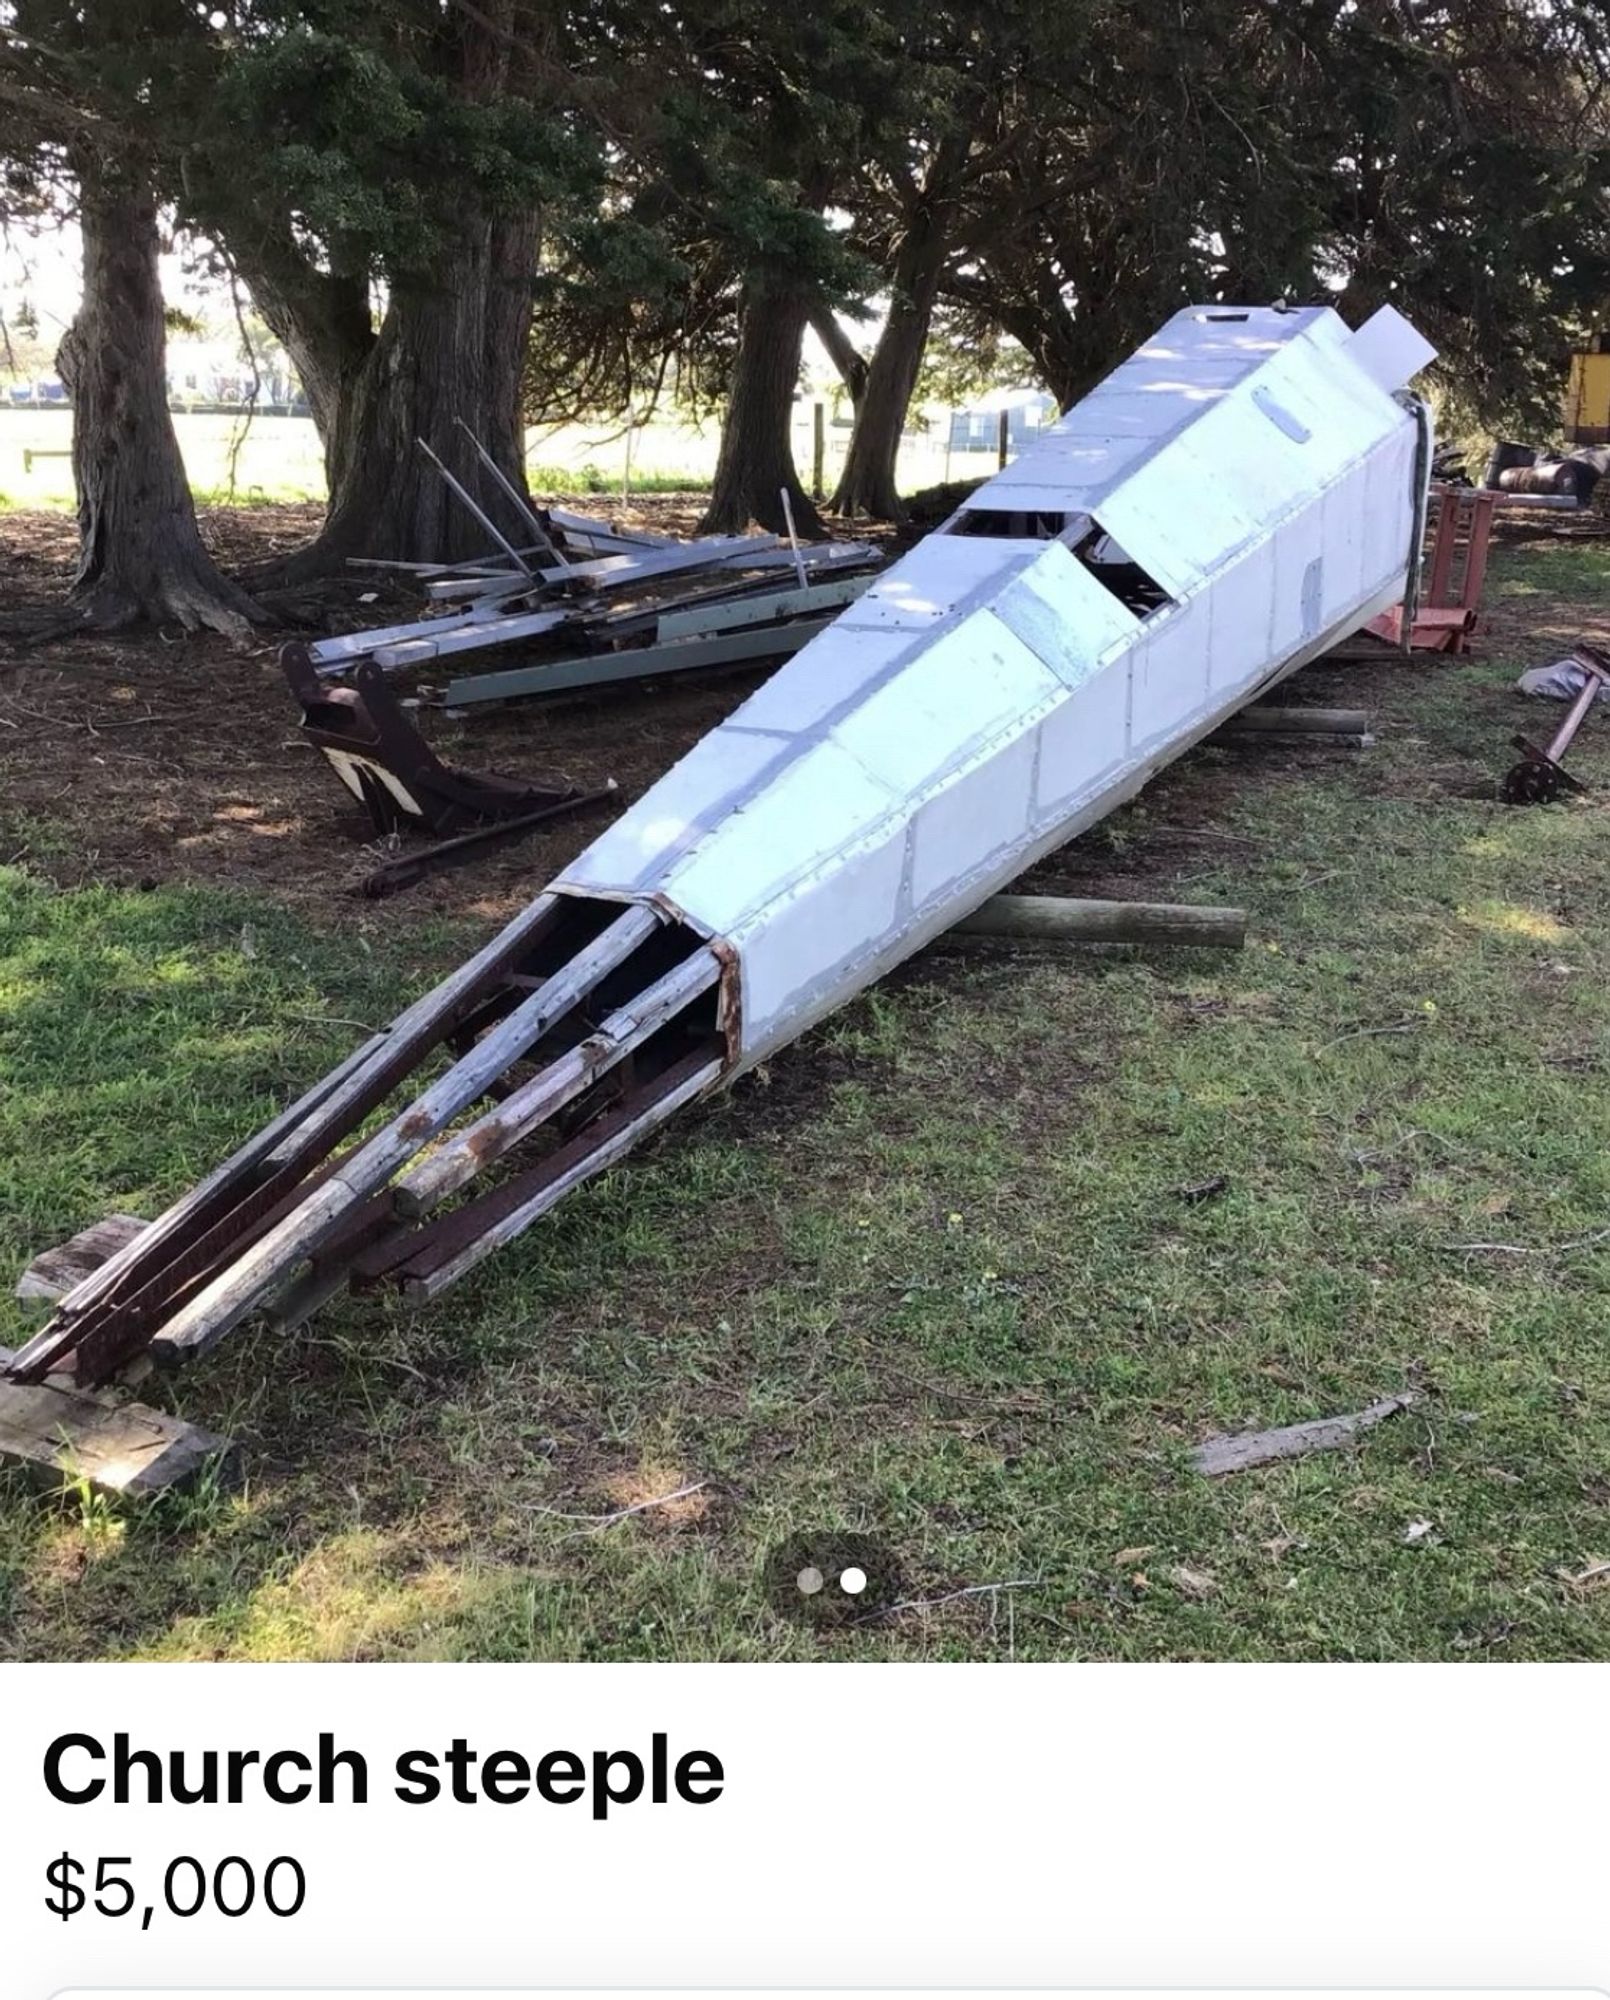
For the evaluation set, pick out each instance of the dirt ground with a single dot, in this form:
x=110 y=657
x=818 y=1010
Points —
x=169 y=757
x=166 y=756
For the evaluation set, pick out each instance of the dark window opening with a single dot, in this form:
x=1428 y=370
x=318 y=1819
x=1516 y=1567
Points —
x=1112 y=567
x=1015 y=524
x=1116 y=570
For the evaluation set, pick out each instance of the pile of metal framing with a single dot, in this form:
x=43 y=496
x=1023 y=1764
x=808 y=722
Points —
x=585 y=601
x=1245 y=491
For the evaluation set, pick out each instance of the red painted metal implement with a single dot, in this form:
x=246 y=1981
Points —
x=1456 y=570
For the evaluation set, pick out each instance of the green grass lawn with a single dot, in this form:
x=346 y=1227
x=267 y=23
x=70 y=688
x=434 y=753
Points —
x=279 y=459
x=934 y=1276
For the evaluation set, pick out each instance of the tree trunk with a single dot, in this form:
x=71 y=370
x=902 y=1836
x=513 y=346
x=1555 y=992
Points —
x=756 y=461
x=867 y=483
x=321 y=317
x=1048 y=335
x=841 y=350
x=140 y=551
x=449 y=350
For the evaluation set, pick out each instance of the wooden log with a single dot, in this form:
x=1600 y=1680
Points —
x=60 y=1435
x=1303 y=721
x=1083 y=920
x=54 y=1273
x=1310 y=728
x=1234 y=1452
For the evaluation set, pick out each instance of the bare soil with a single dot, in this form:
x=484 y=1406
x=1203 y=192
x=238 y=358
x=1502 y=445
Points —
x=166 y=756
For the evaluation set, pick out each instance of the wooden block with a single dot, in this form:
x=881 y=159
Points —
x=122 y=1448
x=53 y=1273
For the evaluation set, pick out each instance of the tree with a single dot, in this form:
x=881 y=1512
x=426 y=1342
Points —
x=62 y=74
x=799 y=91
x=1450 y=159
x=140 y=551
x=408 y=151
x=962 y=122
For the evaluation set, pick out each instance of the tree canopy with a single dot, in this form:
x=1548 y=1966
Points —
x=460 y=214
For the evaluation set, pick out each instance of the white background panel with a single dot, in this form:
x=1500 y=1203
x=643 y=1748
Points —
x=972 y=683
x=1064 y=615
x=962 y=827
x=694 y=790
x=1176 y=518
x=1083 y=738
x=828 y=922
x=1343 y=527
x=1302 y=539
x=1170 y=673
x=1343 y=415
x=821 y=804
x=830 y=669
x=1070 y=465
x=1134 y=1826
x=1241 y=613
x=1389 y=508
x=930 y=582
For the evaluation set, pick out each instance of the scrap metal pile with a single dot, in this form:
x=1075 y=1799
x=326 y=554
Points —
x=598 y=602
x=581 y=603
x=1245 y=491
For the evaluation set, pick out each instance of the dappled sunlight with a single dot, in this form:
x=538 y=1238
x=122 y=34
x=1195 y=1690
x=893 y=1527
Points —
x=179 y=970
x=1513 y=920
x=16 y=994
x=646 y=1488
x=239 y=818
x=1187 y=392
x=355 y=1597
x=67 y=1549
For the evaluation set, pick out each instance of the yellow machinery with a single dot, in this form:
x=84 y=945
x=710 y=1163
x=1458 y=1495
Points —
x=1587 y=394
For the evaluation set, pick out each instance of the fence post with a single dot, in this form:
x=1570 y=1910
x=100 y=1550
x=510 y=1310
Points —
x=818 y=449
x=1003 y=438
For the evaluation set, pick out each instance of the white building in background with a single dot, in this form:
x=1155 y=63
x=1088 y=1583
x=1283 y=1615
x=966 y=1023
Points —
x=205 y=373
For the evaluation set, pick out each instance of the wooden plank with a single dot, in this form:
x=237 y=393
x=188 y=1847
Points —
x=53 y=1273
x=1082 y=920
x=680 y=1085
x=469 y=1152
x=63 y=1435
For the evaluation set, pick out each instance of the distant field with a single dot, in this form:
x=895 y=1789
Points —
x=278 y=458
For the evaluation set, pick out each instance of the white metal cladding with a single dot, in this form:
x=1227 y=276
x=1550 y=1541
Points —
x=989 y=696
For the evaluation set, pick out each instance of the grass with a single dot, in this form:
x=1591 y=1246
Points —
x=278 y=458
x=934 y=1276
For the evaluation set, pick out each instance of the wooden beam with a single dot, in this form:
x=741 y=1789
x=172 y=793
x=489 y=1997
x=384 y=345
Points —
x=1081 y=920
x=55 y=1272
x=1306 y=721
x=60 y=1435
